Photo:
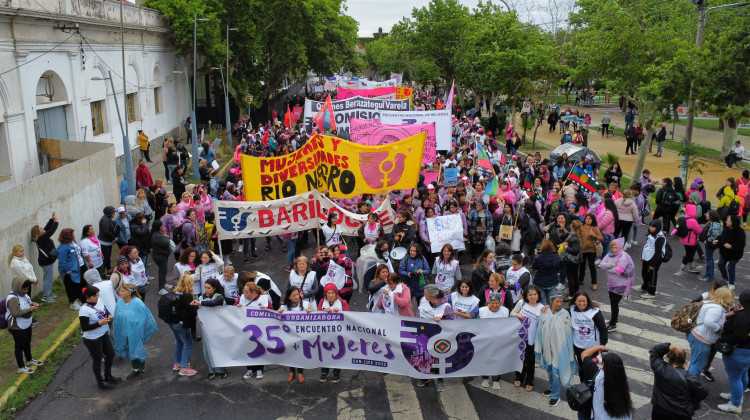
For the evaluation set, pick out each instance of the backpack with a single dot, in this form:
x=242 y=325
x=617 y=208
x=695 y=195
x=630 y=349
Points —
x=579 y=395
x=168 y=308
x=667 y=253
x=534 y=230
x=706 y=207
x=4 y=314
x=686 y=318
x=668 y=198
x=555 y=207
x=178 y=236
x=734 y=207
x=682 y=229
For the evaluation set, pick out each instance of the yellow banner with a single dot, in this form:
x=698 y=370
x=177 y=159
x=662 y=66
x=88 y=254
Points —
x=342 y=168
x=404 y=92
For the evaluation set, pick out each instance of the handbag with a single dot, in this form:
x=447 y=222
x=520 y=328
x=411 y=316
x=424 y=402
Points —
x=580 y=395
x=599 y=248
x=515 y=243
x=723 y=347
x=506 y=232
x=489 y=243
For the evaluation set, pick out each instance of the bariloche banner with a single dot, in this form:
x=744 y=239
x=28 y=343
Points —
x=375 y=133
x=357 y=107
x=255 y=219
x=342 y=168
x=442 y=120
x=416 y=347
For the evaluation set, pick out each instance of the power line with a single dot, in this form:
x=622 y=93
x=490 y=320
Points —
x=104 y=62
x=37 y=57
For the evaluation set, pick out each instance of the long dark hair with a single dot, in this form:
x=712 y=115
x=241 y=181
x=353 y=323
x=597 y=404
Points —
x=581 y=200
x=157 y=225
x=287 y=301
x=218 y=288
x=617 y=402
x=85 y=231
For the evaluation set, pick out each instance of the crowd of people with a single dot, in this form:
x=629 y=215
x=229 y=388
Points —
x=533 y=239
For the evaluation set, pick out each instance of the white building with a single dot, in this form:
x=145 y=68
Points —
x=50 y=50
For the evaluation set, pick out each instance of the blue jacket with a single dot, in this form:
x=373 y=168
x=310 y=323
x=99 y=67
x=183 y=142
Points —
x=210 y=156
x=67 y=260
x=123 y=189
x=133 y=326
x=547 y=265
x=407 y=266
x=124 y=236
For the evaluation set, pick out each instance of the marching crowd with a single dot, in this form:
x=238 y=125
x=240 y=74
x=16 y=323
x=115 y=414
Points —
x=534 y=232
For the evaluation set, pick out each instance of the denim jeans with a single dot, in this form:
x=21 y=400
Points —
x=107 y=256
x=211 y=368
x=48 y=278
x=170 y=168
x=183 y=344
x=562 y=273
x=736 y=365
x=554 y=384
x=727 y=267
x=709 y=263
x=290 y=244
x=546 y=292
x=699 y=352
x=606 y=239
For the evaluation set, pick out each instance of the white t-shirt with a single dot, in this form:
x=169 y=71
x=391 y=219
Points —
x=93 y=251
x=210 y=270
x=428 y=312
x=94 y=314
x=302 y=308
x=336 y=305
x=263 y=300
x=584 y=330
x=389 y=305
x=332 y=235
x=532 y=313
x=297 y=280
x=336 y=274
x=139 y=272
x=485 y=312
x=231 y=290
x=446 y=275
x=464 y=304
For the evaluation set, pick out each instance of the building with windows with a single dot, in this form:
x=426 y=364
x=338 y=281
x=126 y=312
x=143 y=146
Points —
x=56 y=57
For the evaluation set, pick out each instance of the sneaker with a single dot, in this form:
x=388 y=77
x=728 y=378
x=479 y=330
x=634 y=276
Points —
x=679 y=273
x=639 y=289
x=249 y=374
x=163 y=291
x=34 y=362
x=694 y=270
x=627 y=246
x=423 y=382
x=54 y=296
x=150 y=278
x=188 y=372
x=560 y=287
x=648 y=296
x=704 y=278
x=25 y=370
x=634 y=243
x=323 y=378
x=553 y=402
x=496 y=385
x=335 y=379
x=259 y=374
x=485 y=382
x=176 y=367
x=547 y=393
x=169 y=287
x=731 y=287
x=730 y=408
x=611 y=327
x=223 y=375
x=597 y=262
x=440 y=386
x=211 y=375
x=709 y=377
x=725 y=395
x=135 y=374
x=75 y=306
x=48 y=300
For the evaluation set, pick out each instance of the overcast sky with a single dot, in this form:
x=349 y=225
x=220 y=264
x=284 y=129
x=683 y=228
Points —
x=372 y=14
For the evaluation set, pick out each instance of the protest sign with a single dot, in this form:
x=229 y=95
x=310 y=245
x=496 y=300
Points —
x=344 y=93
x=216 y=143
x=404 y=93
x=415 y=347
x=430 y=177
x=255 y=219
x=445 y=230
x=399 y=78
x=450 y=177
x=342 y=168
x=374 y=133
x=442 y=120
x=366 y=84
x=357 y=107
x=297 y=113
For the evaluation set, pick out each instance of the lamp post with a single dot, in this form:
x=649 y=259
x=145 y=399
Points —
x=226 y=93
x=125 y=141
x=129 y=177
x=194 y=123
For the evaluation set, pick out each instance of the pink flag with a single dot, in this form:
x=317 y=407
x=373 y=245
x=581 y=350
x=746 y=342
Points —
x=449 y=105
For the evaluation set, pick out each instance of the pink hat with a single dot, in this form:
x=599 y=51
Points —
x=514 y=157
x=430 y=187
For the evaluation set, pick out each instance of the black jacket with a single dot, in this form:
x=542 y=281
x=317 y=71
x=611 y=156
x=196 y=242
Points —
x=140 y=237
x=675 y=389
x=187 y=312
x=660 y=197
x=547 y=266
x=480 y=278
x=736 y=330
x=160 y=244
x=45 y=244
x=735 y=237
x=107 y=226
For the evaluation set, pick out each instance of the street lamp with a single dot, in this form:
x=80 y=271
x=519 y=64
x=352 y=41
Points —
x=194 y=123
x=129 y=177
x=226 y=92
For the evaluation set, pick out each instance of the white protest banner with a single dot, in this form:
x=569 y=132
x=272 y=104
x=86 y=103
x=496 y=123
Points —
x=356 y=107
x=255 y=219
x=415 y=347
x=442 y=120
x=374 y=133
x=445 y=230
x=367 y=84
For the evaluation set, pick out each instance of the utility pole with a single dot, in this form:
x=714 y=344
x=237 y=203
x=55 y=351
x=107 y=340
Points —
x=128 y=159
x=691 y=98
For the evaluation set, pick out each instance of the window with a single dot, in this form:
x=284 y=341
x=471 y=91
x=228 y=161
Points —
x=131 y=107
x=157 y=100
x=97 y=119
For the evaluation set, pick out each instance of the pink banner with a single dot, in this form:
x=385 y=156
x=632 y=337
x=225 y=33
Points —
x=344 y=93
x=430 y=177
x=373 y=133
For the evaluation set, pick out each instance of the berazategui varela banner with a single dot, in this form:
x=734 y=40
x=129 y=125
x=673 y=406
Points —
x=356 y=107
x=255 y=219
x=416 y=347
x=341 y=168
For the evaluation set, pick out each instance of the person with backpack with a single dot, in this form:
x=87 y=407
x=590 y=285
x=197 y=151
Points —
x=211 y=298
x=688 y=230
x=708 y=326
x=666 y=197
x=176 y=310
x=610 y=397
x=677 y=394
x=19 y=318
x=42 y=237
x=184 y=235
x=652 y=255
x=566 y=138
x=736 y=333
x=730 y=204
x=731 y=246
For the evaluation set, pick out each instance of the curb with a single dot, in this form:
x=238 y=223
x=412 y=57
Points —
x=66 y=333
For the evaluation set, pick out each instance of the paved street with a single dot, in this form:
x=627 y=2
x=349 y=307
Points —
x=367 y=395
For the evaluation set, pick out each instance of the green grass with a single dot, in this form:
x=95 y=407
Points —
x=705 y=152
x=712 y=125
x=526 y=148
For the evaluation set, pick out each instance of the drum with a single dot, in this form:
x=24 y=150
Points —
x=398 y=253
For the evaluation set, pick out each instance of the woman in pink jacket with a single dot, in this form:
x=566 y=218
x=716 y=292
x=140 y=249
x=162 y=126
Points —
x=396 y=298
x=688 y=230
x=607 y=220
x=204 y=206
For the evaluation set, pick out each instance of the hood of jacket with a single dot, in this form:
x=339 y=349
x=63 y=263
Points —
x=729 y=192
x=109 y=211
x=657 y=223
x=17 y=285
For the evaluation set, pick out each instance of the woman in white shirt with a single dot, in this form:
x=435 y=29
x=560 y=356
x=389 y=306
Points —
x=293 y=303
x=253 y=297
x=137 y=268
x=228 y=281
x=20 y=266
x=446 y=269
x=303 y=278
x=463 y=301
x=494 y=309
x=211 y=266
x=528 y=307
x=95 y=320
x=708 y=326
x=332 y=233
x=92 y=250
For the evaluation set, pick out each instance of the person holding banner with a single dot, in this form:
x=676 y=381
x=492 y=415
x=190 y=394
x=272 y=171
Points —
x=331 y=302
x=528 y=307
x=446 y=269
x=463 y=301
x=253 y=297
x=396 y=297
x=435 y=306
x=293 y=303
x=494 y=309
x=212 y=297
x=554 y=348
x=303 y=278
x=371 y=232
x=413 y=269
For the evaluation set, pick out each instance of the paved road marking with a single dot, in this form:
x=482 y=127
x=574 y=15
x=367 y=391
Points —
x=456 y=402
x=402 y=398
x=534 y=400
x=344 y=411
